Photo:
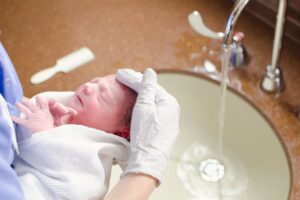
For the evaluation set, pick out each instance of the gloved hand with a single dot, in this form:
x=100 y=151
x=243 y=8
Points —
x=154 y=124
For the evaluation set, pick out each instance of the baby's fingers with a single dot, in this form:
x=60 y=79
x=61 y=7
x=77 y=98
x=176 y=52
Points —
x=72 y=111
x=18 y=120
x=61 y=108
x=29 y=104
x=23 y=108
x=42 y=102
x=51 y=103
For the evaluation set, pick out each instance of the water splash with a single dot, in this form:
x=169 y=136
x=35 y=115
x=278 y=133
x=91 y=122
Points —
x=234 y=180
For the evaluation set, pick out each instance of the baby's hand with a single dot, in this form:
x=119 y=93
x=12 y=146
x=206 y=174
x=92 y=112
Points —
x=61 y=113
x=38 y=116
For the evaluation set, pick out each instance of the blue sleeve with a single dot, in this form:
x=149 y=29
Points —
x=11 y=90
x=9 y=184
x=10 y=85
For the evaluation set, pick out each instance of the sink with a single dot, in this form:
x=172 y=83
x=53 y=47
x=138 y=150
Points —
x=252 y=164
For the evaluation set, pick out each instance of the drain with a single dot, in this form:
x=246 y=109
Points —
x=211 y=170
x=206 y=175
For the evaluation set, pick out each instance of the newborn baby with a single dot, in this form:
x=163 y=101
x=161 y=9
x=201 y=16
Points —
x=68 y=154
x=102 y=103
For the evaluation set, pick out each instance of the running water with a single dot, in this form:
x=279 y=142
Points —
x=222 y=104
x=209 y=173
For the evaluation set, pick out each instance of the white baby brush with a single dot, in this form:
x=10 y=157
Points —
x=64 y=64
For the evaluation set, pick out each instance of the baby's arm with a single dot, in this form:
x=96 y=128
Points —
x=37 y=115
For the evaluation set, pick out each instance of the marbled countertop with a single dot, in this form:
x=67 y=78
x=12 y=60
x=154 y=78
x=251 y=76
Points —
x=140 y=34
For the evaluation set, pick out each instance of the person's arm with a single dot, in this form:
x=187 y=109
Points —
x=133 y=187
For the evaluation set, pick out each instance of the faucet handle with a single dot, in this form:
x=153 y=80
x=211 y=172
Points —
x=238 y=52
x=198 y=25
x=238 y=37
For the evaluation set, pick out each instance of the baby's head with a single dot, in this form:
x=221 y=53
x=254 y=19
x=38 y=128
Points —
x=105 y=104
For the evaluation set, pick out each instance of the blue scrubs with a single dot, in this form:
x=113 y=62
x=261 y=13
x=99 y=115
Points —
x=11 y=91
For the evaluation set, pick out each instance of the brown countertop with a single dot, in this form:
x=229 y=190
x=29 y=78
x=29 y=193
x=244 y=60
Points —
x=139 y=34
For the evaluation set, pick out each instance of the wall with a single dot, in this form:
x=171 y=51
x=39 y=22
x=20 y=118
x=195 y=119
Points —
x=266 y=11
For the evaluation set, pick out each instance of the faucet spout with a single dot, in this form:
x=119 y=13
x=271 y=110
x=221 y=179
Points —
x=232 y=19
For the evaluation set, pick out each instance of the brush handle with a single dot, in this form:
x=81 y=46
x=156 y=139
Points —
x=65 y=64
x=43 y=75
x=75 y=59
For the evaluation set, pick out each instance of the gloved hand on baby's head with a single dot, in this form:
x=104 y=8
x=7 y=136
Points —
x=155 y=124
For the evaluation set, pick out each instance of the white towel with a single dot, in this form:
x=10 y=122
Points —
x=69 y=162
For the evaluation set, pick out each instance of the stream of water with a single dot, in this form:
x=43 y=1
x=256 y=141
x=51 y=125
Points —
x=212 y=173
x=222 y=104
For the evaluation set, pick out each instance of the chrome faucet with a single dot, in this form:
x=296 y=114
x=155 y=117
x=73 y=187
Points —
x=231 y=21
x=272 y=80
x=237 y=54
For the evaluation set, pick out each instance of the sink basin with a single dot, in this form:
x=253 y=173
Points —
x=252 y=164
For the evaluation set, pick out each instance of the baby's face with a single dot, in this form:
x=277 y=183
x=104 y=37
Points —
x=99 y=104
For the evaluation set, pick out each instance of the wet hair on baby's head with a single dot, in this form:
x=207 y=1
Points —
x=131 y=96
x=131 y=99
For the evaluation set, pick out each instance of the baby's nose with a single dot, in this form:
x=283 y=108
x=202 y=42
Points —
x=87 y=89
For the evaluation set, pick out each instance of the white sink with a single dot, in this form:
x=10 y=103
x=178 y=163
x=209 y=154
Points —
x=254 y=161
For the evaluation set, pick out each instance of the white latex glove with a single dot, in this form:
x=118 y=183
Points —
x=154 y=124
